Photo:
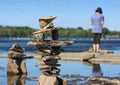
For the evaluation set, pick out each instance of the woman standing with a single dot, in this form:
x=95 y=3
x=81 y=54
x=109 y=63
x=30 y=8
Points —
x=97 y=21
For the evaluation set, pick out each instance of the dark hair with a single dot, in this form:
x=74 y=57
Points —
x=99 y=10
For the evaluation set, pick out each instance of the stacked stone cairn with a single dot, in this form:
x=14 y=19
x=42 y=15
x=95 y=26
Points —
x=49 y=49
x=16 y=63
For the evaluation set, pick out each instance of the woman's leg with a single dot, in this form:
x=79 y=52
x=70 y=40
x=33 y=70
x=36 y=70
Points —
x=98 y=42
x=94 y=47
x=97 y=47
x=94 y=41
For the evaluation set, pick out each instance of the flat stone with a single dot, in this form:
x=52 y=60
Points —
x=56 y=70
x=13 y=54
x=45 y=70
x=48 y=18
x=56 y=57
x=45 y=67
x=47 y=80
x=43 y=53
x=49 y=62
x=53 y=65
x=50 y=43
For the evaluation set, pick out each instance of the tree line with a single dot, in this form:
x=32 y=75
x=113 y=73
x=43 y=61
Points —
x=25 y=31
x=14 y=31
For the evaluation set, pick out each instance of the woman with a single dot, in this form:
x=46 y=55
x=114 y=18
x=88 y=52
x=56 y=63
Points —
x=97 y=21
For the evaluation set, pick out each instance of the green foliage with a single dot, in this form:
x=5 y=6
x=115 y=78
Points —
x=16 y=31
x=73 y=32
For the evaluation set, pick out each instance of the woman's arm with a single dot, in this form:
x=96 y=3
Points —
x=91 y=22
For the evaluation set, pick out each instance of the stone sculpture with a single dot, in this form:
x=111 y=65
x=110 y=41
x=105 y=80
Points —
x=50 y=50
x=16 y=63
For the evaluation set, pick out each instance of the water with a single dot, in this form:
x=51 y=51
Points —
x=67 y=67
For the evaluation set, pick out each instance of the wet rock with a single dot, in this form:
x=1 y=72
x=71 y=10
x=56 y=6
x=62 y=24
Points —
x=47 y=80
x=50 y=80
x=52 y=57
x=43 y=21
x=16 y=47
x=16 y=66
x=16 y=63
x=49 y=62
x=16 y=51
x=105 y=81
x=100 y=51
x=15 y=55
x=74 y=79
x=88 y=56
x=105 y=51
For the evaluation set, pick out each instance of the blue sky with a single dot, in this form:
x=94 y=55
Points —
x=70 y=13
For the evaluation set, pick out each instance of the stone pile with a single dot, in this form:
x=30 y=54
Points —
x=49 y=63
x=16 y=51
x=49 y=49
x=16 y=63
x=46 y=24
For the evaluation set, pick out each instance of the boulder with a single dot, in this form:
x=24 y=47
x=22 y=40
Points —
x=50 y=80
